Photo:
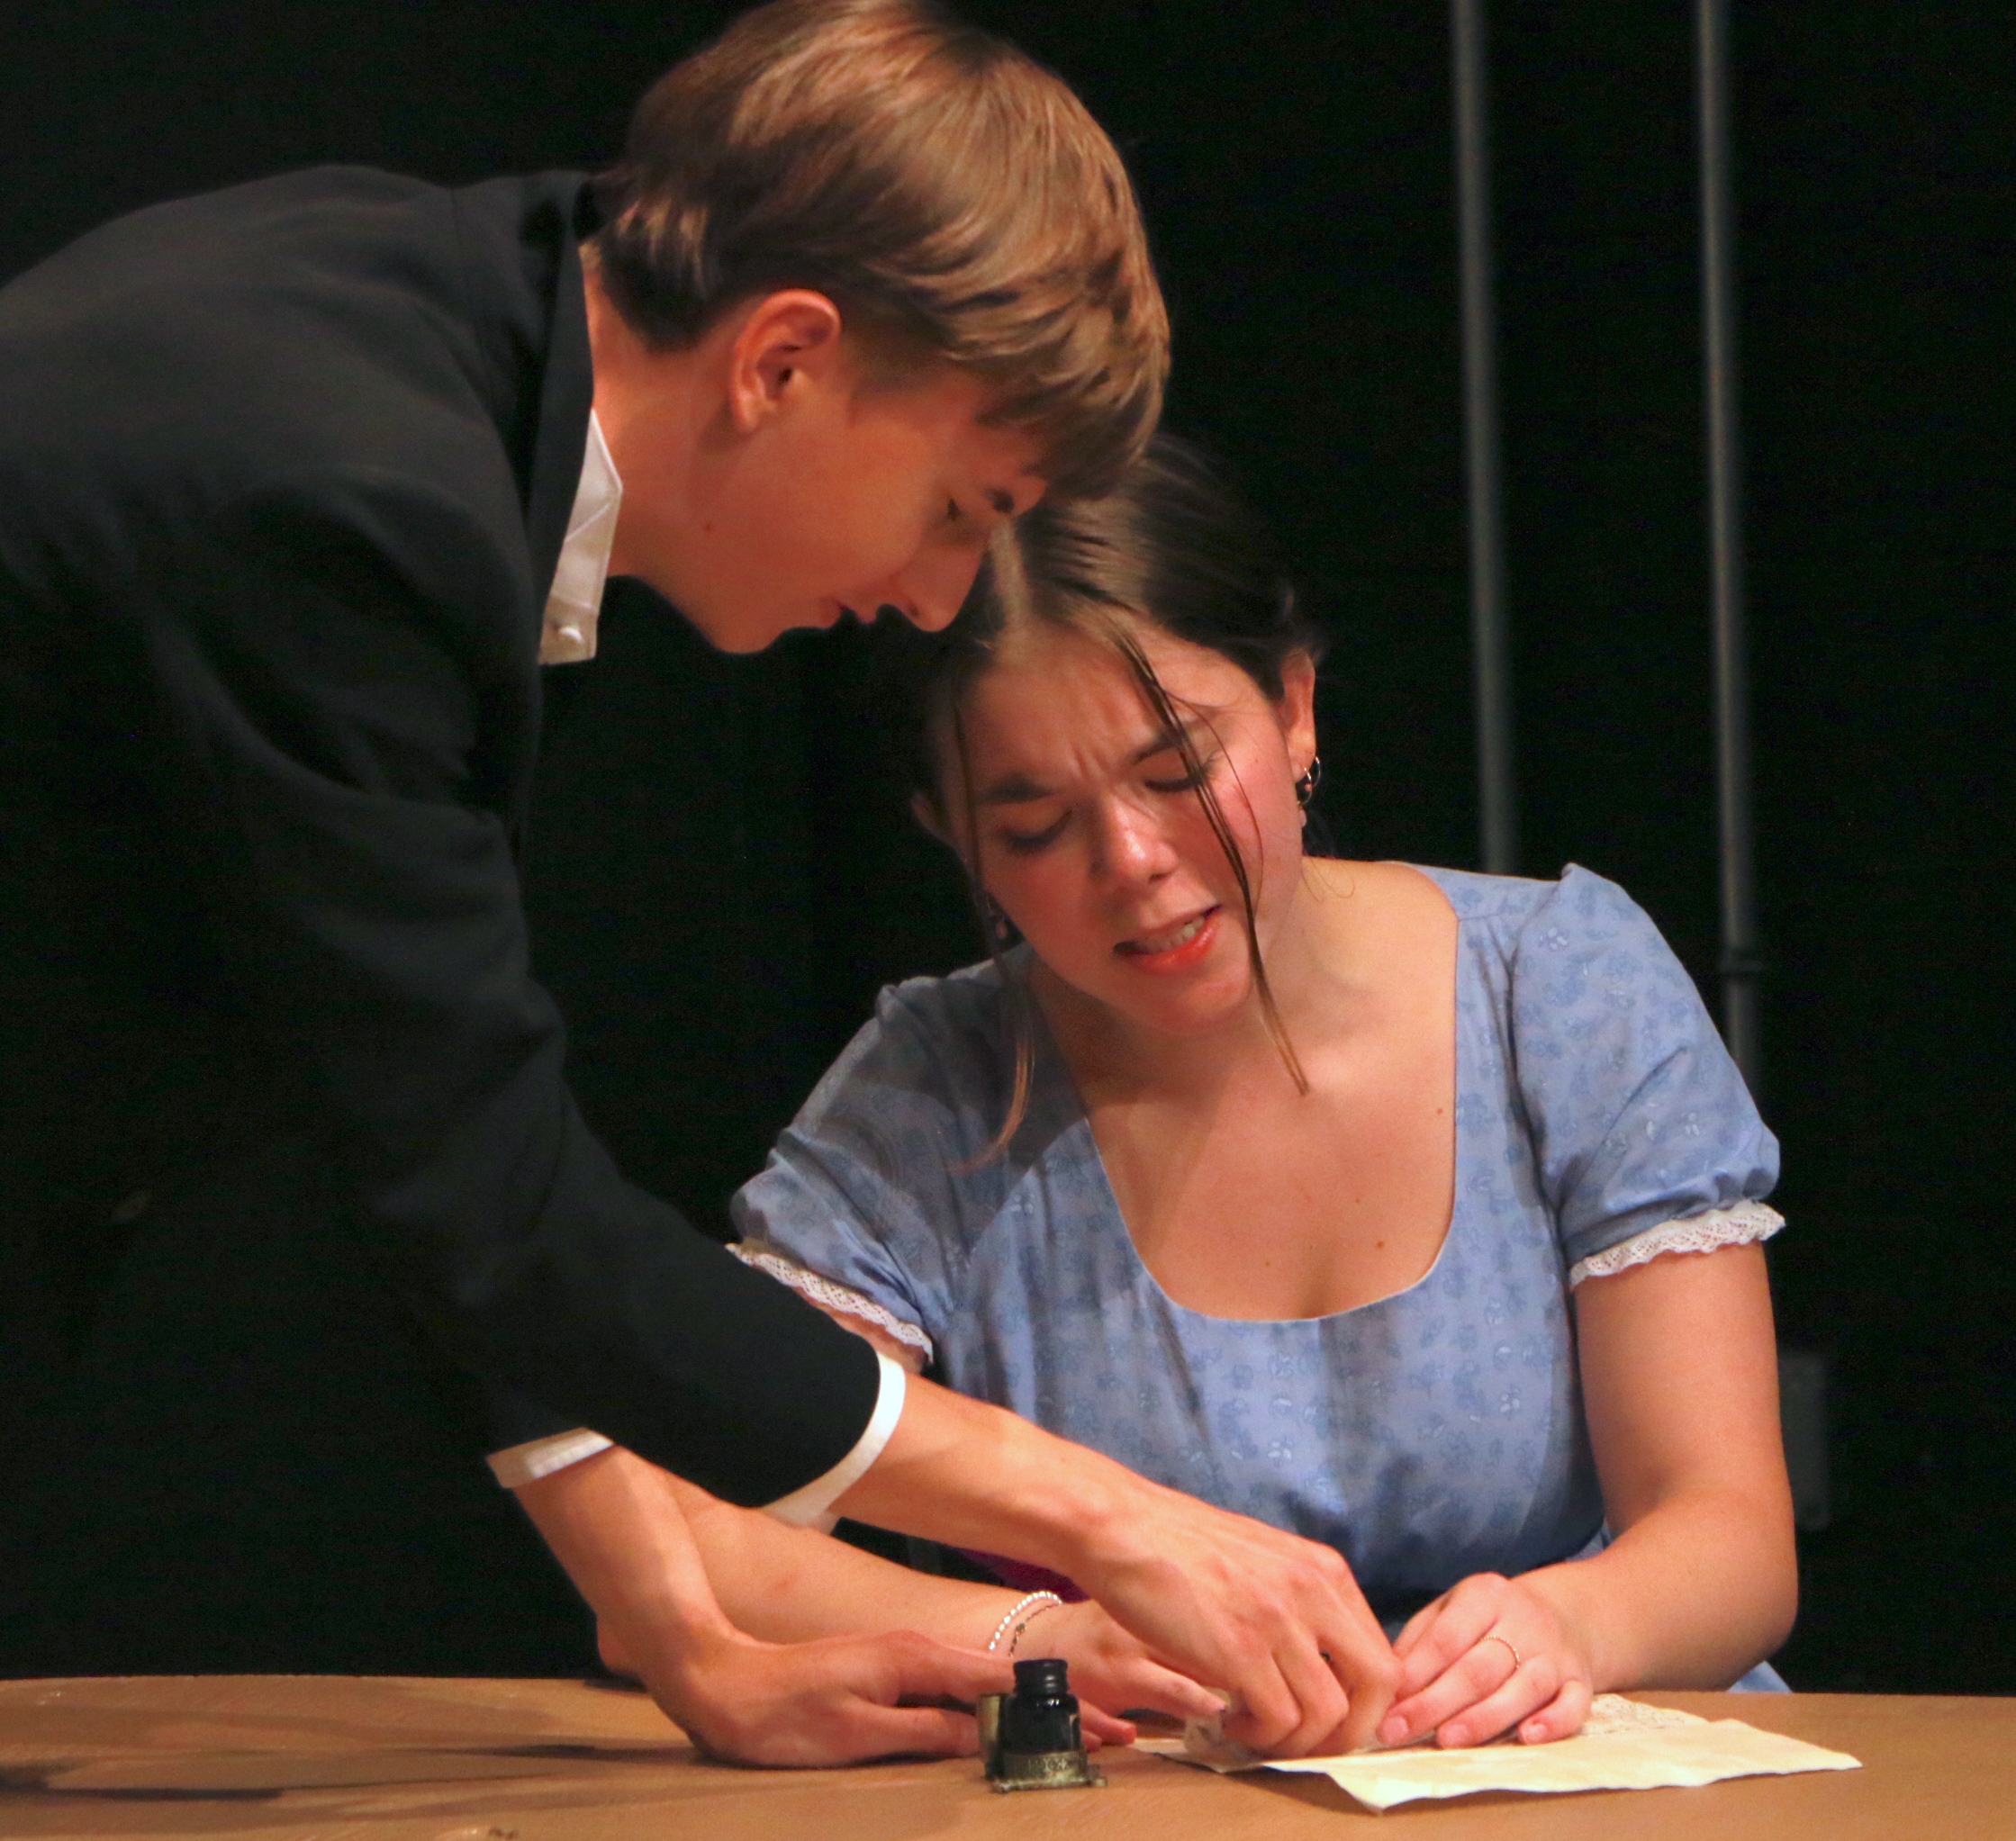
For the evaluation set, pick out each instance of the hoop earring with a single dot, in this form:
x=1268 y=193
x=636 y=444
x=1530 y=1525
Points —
x=1312 y=778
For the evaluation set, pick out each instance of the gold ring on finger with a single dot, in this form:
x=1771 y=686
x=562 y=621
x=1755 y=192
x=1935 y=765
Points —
x=1493 y=1637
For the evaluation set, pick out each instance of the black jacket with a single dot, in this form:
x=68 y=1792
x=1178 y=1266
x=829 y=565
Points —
x=284 y=475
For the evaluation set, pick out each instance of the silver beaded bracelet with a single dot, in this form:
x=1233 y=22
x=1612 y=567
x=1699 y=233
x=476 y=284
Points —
x=1043 y=1601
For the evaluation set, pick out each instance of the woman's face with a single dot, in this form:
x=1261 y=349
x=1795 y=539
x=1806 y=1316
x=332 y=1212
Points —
x=1091 y=834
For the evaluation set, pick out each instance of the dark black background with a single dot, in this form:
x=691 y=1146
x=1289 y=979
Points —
x=719 y=882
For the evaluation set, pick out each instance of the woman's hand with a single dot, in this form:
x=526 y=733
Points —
x=1489 y=1655
x=1111 y=1670
x=617 y=1524
x=838 y=1701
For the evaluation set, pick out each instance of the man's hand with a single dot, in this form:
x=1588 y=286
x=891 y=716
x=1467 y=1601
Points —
x=1276 y=1622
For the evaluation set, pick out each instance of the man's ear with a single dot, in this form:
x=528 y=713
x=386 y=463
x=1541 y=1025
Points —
x=1295 y=710
x=786 y=340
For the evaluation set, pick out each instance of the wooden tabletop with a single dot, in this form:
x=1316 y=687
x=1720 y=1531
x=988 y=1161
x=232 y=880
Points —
x=330 y=1758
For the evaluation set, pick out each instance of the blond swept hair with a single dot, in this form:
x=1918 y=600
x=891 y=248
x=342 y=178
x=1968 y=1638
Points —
x=953 y=197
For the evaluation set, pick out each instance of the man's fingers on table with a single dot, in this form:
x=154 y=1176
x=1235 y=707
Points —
x=1344 y=1673
x=1338 y=1691
x=1369 y=1673
x=1265 y=1711
x=1245 y=1608
x=1328 y=1708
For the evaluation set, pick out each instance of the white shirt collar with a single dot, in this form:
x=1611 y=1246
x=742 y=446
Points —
x=575 y=603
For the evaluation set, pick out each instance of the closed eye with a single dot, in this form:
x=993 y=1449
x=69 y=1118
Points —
x=1189 y=781
x=1028 y=843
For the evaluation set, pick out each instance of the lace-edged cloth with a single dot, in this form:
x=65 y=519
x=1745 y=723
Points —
x=1697 y=1234
x=833 y=1295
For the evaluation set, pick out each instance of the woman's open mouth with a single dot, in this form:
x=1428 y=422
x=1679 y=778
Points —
x=1173 y=948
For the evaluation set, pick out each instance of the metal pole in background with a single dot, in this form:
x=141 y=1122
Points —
x=1498 y=801
x=1740 y=960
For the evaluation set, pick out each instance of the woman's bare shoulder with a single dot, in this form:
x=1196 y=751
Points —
x=1386 y=926
x=1386 y=893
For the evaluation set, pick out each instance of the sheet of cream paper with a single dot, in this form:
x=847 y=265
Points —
x=1624 y=1745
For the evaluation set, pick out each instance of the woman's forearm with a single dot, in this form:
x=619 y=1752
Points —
x=790 y=1584
x=793 y=1585
x=615 y=1523
x=1691 y=1596
x=1680 y=1375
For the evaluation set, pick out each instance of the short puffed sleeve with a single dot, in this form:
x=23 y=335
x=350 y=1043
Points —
x=871 y=1192
x=1645 y=1138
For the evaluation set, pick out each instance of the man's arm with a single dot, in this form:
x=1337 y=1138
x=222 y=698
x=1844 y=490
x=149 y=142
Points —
x=787 y=1585
x=1276 y=1620
x=1206 y=1596
x=1057 y=1499
x=335 y=644
x=615 y=1523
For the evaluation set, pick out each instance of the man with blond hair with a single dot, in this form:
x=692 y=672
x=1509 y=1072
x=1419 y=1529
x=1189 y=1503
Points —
x=301 y=484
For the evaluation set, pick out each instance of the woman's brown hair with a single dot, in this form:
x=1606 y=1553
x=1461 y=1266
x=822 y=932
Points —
x=953 y=198
x=1171 y=548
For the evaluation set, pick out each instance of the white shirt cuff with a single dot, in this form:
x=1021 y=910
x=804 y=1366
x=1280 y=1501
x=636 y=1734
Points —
x=537 y=1457
x=518 y=1466
x=803 y=1507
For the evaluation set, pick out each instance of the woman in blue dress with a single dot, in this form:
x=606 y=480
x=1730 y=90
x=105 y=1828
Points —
x=1415 y=1211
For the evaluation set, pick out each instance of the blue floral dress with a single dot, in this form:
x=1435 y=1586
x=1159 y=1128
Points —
x=1429 y=1435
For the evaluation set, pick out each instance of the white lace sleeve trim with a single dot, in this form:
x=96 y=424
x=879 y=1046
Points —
x=831 y=1294
x=1697 y=1234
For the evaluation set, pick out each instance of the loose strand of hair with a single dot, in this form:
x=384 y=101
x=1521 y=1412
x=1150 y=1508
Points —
x=1166 y=713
